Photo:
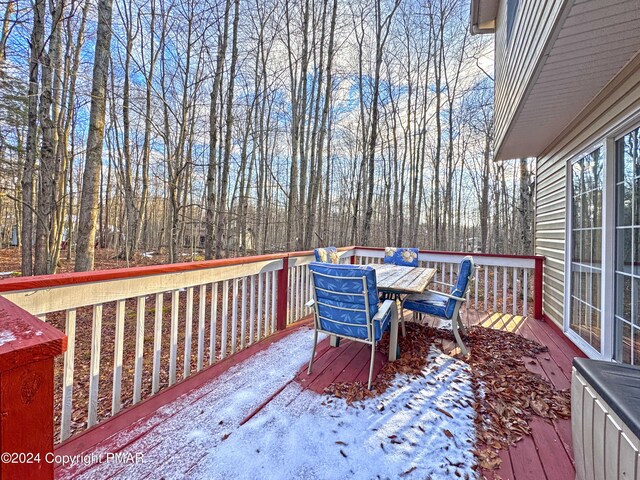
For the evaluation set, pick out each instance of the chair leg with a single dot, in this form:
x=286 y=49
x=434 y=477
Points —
x=463 y=327
x=454 y=326
x=373 y=354
x=313 y=354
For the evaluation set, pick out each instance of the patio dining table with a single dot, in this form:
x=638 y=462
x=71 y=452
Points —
x=397 y=280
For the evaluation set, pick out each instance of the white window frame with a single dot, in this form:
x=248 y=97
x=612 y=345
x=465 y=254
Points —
x=607 y=140
x=620 y=133
x=568 y=254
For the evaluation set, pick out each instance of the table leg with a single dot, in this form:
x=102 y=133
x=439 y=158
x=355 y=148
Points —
x=393 y=333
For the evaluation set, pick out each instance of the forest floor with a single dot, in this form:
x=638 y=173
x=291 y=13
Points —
x=105 y=258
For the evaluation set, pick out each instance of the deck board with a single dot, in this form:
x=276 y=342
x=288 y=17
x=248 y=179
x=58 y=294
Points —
x=545 y=454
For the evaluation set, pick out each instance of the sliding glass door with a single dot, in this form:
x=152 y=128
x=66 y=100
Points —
x=627 y=264
x=585 y=310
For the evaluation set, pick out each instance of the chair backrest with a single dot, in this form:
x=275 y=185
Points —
x=459 y=289
x=404 y=257
x=327 y=255
x=346 y=298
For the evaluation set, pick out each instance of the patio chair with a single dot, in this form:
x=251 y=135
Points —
x=446 y=305
x=327 y=255
x=403 y=257
x=345 y=304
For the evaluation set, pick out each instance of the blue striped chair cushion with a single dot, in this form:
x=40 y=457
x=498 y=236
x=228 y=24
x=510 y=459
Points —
x=356 y=331
x=438 y=305
x=429 y=303
x=341 y=299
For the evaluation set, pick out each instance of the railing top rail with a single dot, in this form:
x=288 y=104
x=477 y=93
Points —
x=444 y=252
x=76 y=278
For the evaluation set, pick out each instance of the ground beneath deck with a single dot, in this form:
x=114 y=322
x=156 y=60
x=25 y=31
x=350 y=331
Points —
x=218 y=422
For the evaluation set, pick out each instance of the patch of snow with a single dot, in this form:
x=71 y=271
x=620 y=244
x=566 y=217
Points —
x=186 y=429
x=148 y=254
x=404 y=433
x=407 y=431
x=6 y=337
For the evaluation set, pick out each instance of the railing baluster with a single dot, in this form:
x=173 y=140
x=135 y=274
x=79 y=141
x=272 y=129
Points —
x=486 y=288
x=213 y=330
x=173 y=340
x=202 y=305
x=476 y=290
x=525 y=292
x=515 y=289
x=234 y=316
x=294 y=293
x=243 y=315
x=451 y=274
x=296 y=313
x=157 y=343
x=260 y=301
x=188 y=333
x=117 y=357
x=225 y=318
x=504 y=289
x=296 y=304
x=252 y=308
x=94 y=367
x=67 y=379
x=495 y=288
x=274 y=296
x=267 y=296
x=137 y=375
x=309 y=294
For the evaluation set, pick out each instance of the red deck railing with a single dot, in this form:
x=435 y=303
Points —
x=228 y=304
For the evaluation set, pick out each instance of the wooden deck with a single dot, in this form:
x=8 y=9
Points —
x=547 y=454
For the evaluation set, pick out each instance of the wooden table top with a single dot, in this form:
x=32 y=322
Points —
x=393 y=278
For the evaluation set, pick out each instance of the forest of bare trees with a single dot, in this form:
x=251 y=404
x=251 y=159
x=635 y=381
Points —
x=231 y=127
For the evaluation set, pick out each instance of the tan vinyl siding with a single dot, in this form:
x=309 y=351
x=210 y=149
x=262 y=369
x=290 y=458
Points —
x=618 y=102
x=517 y=59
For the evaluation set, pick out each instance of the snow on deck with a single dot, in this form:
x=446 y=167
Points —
x=419 y=428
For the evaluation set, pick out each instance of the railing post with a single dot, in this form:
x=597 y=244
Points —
x=537 y=288
x=28 y=347
x=283 y=293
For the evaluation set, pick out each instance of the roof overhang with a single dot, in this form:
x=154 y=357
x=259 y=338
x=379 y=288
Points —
x=590 y=44
x=483 y=16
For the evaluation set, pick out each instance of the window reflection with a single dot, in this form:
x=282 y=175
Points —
x=627 y=264
x=586 y=249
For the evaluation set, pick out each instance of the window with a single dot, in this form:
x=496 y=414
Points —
x=512 y=8
x=585 y=317
x=627 y=264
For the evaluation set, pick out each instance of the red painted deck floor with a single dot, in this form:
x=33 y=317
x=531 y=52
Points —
x=547 y=454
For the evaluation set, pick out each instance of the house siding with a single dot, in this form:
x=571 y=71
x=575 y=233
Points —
x=518 y=58
x=616 y=105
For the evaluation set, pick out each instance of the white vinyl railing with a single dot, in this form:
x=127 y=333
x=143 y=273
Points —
x=501 y=283
x=133 y=332
x=197 y=317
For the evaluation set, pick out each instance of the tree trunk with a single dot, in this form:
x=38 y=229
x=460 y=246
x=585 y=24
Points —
x=93 y=163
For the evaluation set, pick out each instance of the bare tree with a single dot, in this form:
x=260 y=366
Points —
x=87 y=218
